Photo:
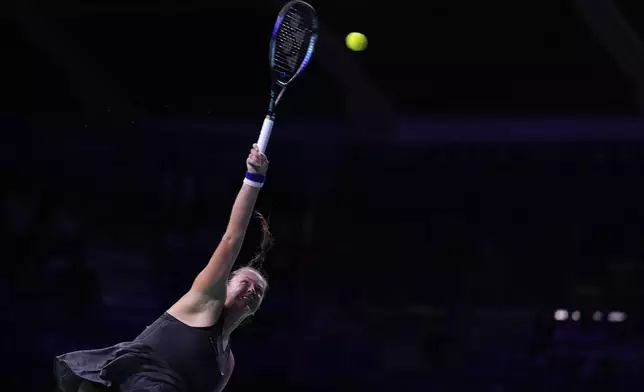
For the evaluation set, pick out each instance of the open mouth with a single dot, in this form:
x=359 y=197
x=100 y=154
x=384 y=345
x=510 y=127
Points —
x=249 y=300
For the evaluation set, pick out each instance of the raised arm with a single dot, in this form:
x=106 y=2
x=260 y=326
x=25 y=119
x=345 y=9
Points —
x=202 y=304
x=211 y=281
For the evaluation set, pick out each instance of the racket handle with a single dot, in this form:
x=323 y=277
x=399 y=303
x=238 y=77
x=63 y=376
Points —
x=265 y=134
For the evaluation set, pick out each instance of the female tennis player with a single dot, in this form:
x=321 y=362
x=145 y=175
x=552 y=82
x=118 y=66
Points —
x=187 y=349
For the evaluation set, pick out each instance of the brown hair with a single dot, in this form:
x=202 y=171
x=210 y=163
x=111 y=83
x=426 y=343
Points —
x=257 y=261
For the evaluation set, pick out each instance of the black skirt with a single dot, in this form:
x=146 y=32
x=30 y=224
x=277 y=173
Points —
x=125 y=367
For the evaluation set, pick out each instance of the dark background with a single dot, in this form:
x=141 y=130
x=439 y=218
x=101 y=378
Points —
x=435 y=198
x=532 y=57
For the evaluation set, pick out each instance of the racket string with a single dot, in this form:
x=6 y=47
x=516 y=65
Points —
x=292 y=43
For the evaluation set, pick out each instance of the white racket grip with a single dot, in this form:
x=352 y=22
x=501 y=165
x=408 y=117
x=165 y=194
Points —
x=265 y=134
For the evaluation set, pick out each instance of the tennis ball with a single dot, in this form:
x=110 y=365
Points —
x=356 y=41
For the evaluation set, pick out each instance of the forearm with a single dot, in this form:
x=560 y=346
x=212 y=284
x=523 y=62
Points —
x=212 y=279
x=241 y=213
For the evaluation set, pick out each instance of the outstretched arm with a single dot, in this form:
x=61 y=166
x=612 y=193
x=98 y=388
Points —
x=211 y=281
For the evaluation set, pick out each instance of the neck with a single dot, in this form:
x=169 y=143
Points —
x=230 y=323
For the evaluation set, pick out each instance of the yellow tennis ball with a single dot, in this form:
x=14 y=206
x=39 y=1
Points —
x=356 y=41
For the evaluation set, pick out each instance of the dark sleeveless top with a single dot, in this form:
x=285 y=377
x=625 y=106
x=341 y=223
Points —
x=167 y=356
x=195 y=353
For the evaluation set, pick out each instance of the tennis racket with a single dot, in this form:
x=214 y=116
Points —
x=292 y=44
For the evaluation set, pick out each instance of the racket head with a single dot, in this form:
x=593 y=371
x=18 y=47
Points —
x=292 y=41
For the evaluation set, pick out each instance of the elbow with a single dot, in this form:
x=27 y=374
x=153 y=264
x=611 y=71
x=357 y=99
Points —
x=232 y=239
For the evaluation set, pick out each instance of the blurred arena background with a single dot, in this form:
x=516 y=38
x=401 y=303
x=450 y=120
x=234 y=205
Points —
x=457 y=208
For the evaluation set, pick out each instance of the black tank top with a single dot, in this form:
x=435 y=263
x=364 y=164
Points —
x=195 y=353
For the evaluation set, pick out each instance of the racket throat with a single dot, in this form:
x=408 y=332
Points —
x=275 y=99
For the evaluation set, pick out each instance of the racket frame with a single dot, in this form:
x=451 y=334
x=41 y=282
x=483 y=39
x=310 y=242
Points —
x=279 y=86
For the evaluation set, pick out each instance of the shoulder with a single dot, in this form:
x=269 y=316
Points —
x=227 y=373
x=197 y=309
x=231 y=361
x=230 y=365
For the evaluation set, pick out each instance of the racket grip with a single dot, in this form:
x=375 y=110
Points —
x=265 y=134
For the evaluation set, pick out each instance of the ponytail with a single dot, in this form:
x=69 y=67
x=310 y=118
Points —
x=267 y=243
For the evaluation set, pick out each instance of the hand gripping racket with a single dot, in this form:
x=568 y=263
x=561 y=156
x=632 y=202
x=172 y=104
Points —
x=291 y=48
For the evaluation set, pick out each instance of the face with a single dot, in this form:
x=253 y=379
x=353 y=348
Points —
x=245 y=292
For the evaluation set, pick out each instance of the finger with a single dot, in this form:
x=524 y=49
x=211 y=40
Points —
x=255 y=146
x=259 y=155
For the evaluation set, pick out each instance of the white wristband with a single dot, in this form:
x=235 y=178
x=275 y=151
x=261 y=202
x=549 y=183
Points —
x=252 y=183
